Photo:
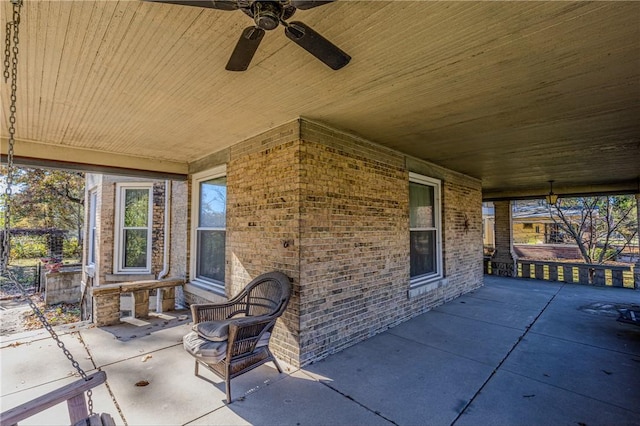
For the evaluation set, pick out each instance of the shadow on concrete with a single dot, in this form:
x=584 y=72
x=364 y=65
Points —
x=132 y=328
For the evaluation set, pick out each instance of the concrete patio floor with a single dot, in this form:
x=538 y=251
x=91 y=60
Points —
x=515 y=352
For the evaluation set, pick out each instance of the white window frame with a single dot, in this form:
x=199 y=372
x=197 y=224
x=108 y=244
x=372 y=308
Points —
x=197 y=178
x=436 y=184
x=93 y=209
x=118 y=263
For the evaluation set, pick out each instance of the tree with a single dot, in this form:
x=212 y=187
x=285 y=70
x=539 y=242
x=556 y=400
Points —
x=605 y=226
x=47 y=198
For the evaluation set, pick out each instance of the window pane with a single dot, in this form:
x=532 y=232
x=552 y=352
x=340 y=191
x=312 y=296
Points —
x=92 y=245
x=136 y=207
x=213 y=203
x=423 y=253
x=135 y=248
x=92 y=227
x=421 y=201
x=210 y=262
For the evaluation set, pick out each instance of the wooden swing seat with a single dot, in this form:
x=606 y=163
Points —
x=73 y=394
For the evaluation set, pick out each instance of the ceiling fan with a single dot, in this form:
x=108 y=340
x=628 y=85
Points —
x=267 y=15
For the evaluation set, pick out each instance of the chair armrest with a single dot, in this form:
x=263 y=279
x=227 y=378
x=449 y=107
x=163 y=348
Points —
x=244 y=333
x=216 y=311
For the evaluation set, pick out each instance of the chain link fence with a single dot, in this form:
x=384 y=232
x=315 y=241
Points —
x=28 y=276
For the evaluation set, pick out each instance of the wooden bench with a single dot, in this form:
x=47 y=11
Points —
x=106 y=299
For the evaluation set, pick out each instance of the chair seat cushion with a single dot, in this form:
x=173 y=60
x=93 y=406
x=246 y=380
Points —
x=203 y=349
x=209 y=351
x=216 y=331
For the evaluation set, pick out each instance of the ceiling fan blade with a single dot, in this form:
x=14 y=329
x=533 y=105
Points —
x=210 y=4
x=309 y=4
x=245 y=49
x=318 y=46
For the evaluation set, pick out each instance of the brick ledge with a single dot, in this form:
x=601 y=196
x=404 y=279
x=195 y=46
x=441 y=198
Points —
x=425 y=288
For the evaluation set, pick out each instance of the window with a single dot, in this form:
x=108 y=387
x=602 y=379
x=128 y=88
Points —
x=133 y=228
x=208 y=235
x=424 y=229
x=91 y=255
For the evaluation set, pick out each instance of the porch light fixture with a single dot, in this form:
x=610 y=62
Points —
x=551 y=198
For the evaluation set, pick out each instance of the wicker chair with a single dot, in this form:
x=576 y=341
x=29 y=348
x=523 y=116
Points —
x=246 y=322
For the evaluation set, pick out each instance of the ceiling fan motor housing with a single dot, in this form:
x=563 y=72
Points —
x=267 y=14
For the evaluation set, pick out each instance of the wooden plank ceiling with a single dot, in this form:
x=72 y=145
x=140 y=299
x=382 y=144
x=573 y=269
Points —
x=513 y=93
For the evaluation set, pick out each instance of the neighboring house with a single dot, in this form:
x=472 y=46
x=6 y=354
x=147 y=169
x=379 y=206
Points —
x=532 y=225
x=370 y=237
x=537 y=228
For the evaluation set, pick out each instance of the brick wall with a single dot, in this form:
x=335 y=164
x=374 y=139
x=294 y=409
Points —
x=157 y=232
x=355 y=239
x=105 y=212
x=263 y=198
x=462 y=236
x=105 y=186
x=503 y=260
x=331 y=211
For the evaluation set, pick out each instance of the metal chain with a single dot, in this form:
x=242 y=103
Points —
x=48 y=327
x=54 y=336
x=11 y=58
x=7 y=51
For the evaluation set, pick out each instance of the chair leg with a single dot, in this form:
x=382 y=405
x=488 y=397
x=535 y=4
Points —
x=227 y=380
x=275 y=361
x=196 y=368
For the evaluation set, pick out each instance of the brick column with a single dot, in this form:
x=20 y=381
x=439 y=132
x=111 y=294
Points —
x=106 y=308
x=503 y=261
